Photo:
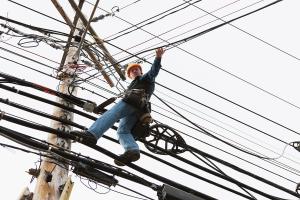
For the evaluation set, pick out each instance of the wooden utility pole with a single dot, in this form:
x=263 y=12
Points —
x=54 y=176
x=52 y=183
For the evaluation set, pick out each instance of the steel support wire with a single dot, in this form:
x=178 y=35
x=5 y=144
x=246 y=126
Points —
x=72 y=156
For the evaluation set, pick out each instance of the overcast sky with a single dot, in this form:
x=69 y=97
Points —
x=252 y=62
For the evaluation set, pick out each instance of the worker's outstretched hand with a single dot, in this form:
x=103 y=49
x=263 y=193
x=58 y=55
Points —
x=159 y=52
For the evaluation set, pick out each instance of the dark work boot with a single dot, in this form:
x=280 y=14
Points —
x=127 y=157
x=86 y=137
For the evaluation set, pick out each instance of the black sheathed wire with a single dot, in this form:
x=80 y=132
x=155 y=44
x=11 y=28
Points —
x=74 y=137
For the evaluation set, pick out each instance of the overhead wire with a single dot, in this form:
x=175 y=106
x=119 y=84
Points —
x=246 y=32
x=277 y=138
x=239 y=78
x=104 y=151
x=157 y=15
x=264 y=117
x=166 y=40
x=98 y=148
x=293 y=131
x=46 y=101
x=40 y=13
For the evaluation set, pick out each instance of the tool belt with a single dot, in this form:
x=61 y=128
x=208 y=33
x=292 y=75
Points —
x=136 y=97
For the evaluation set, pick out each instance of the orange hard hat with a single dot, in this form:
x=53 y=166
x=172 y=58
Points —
x=131 y=66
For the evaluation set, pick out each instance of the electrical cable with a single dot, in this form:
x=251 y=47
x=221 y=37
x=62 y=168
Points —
x=62 y=134
x=38 y=12
x=267 y=43
x=66 y=155
x=50 y=102
x=157 y=15
x=206 y=132
x=260 y=115
x=79 y=103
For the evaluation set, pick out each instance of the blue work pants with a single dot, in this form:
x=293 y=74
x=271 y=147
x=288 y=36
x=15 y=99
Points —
x=128 y=116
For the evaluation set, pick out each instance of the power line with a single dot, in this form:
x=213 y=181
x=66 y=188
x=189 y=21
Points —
x=246 y=32
x=161 y=17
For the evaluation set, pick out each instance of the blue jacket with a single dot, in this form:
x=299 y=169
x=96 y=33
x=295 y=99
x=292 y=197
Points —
x=147 y=80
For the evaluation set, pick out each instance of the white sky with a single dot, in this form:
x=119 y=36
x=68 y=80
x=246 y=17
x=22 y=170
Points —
x=232 y=61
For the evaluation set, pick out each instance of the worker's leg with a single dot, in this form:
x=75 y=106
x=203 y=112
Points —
x=107 y=120
x=124 y=132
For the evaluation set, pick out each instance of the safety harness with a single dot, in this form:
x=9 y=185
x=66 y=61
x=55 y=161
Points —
x=136 y=95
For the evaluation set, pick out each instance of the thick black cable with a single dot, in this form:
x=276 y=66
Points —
x=53 y=103
x=104 y=151
x=50 y=102
x=12 y=89
x=27 y=125
x=57 y=104
x=215 y=173
x=42 y=114
x=23 y=139
x=74 y=137
x=70 y=98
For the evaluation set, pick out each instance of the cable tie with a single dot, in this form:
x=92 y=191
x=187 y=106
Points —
x=89 y=106
x=2 y=114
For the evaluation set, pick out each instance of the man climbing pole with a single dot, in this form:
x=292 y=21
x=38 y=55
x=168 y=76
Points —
x=128 y=110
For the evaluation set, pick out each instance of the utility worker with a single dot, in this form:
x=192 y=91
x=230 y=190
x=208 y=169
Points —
x=128 y=110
